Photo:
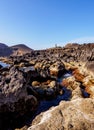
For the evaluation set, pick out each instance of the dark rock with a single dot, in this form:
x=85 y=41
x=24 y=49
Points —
x=1 y=66
x=14 y=97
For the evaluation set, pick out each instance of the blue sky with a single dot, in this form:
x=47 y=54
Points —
x=44 y=23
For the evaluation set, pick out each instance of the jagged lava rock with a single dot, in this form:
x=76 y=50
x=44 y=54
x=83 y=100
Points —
x=13 y=93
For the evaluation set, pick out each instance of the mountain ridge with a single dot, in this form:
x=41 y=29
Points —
x=18 y=49
x=21 y=49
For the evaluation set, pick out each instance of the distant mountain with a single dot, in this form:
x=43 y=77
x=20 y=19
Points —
x=5 y=50
x=21 y=49
x=2 y=45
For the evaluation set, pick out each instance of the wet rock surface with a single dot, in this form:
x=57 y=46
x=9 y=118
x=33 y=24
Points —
x=36 y=81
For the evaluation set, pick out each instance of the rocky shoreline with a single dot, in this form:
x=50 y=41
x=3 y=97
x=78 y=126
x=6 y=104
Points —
x=34 y=77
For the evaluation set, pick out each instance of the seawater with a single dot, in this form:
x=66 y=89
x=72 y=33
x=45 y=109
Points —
x=4 y=64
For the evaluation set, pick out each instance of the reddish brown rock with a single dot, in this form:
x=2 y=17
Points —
x=70 y=83
x=79 y=76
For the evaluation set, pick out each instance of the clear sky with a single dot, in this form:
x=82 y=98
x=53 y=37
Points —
x=44 y=23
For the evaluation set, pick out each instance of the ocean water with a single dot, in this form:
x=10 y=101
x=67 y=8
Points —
x=4 y=64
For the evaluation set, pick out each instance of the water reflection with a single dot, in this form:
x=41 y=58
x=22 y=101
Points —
x=4 y=64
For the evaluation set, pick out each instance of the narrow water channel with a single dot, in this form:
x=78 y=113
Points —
x=47 y=104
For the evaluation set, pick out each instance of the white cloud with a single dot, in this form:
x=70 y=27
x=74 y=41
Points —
x=82 y=40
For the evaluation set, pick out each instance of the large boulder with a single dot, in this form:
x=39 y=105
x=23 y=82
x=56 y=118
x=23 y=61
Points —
x=72 y=115
x=14 y=98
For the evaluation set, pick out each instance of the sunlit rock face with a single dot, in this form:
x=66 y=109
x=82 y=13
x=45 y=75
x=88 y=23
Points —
x=86 y=79
x=72 y=115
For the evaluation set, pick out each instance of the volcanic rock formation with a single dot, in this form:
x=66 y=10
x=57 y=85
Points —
x=37 y=77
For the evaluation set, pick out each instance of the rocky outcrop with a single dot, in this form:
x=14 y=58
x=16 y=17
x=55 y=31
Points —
x=69 y=53
x=77 y=114
x=39 y=76
x=82 y=77
x=13 y=90
x=22 y=87
x=14 y=98
x=74 y=114
x=72 y=52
